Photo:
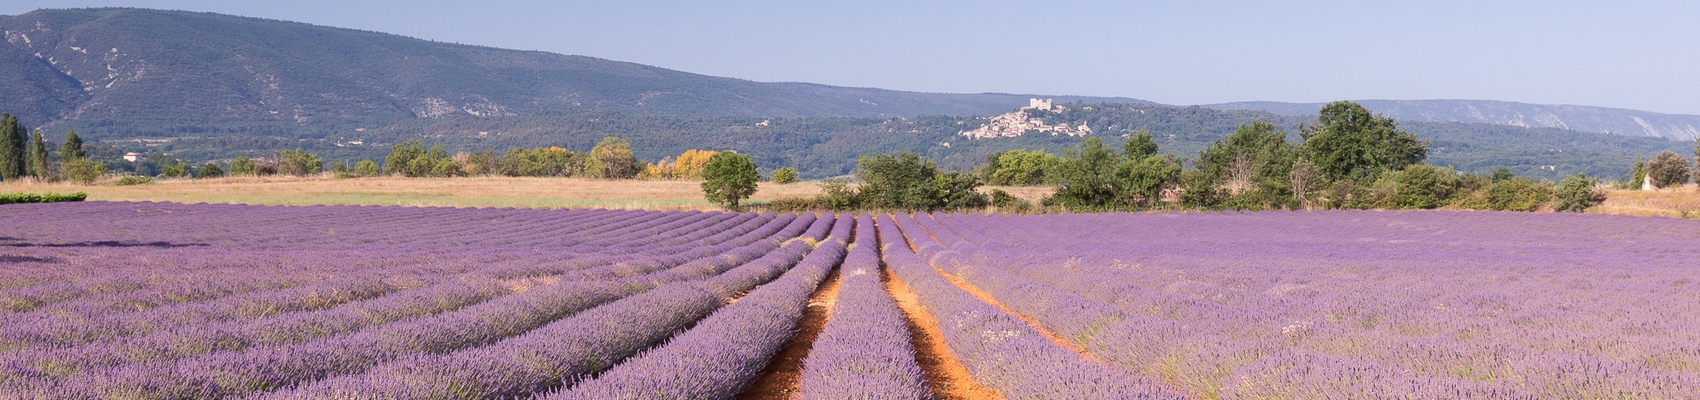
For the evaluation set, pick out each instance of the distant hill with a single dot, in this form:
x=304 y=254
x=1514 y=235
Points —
x=117 y=64
x=207 y=87
x=826 y=147
x=1579 y=118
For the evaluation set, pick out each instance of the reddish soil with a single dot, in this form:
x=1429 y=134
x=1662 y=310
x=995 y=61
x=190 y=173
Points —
x=945 y=375
x=987 y=297
x=779 y=380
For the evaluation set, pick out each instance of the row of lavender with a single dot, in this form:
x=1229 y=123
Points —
x=1351 y=304
x=487 y=310
x=600 y=304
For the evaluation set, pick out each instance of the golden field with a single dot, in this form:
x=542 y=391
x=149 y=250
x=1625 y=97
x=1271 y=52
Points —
x=1679 y=202
x=592 y=193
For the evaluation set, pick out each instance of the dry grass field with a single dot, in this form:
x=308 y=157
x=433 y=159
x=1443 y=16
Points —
x=1679 y=202
x=592 y=193
x=451 y=192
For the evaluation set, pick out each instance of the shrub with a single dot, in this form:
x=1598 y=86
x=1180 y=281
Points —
x=794 y=204
x=838 y=196
x=130 y=180
x=242 y=166
x=366 y=168
x=1010 y=204
x=905 y=181
x=479 y=163
x=1636 y=176
x=12 y=198
x=612 y=159
x=1421 y=186
x=785 y=175
x=299 y=162
x=1576 y=193
x=1668 y=169
x=543 y=161
x=729 y=178
x=958 y=191
x=178 y=170
x=209 y=171
x=83 y=170
x=1515 y=194
x=413 y=159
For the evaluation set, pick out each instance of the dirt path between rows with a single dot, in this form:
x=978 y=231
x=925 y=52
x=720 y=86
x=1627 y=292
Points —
x=987 y=297
x=1053 y=336
x=946 y=375
x=782 y=375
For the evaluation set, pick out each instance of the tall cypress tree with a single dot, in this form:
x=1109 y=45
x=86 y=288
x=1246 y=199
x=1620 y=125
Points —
x=11 y=148
x=73 y=148
x=38 y=157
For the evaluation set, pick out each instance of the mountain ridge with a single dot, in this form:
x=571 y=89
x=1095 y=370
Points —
x=1619 y=121
x=152 y=64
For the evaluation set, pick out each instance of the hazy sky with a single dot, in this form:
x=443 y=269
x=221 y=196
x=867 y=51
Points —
x=1628 y=54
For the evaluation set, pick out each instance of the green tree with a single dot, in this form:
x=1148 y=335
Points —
x=178 y=170
x=1139 y=184
x=1086 y=177
x=366 y=168
x=11 y=148
x=1140 y=145
x=73 y=147
x=1021 y=167
x=84 y=171
x=480 y=163
x=729 y=178
x=612 y=159
x=1637 y=175
x=299 y=162
x=1254 y=163
x=957 y=191
x=1200 y=190
x=1351 y=143
x=897 y=181
x=412 y=159
x=36 y=152
x=907 y=181
x=1668 y=169
x=338 y=167
x=1577 y=193
x=784 y=176
x=242 y=166
x=209 y=171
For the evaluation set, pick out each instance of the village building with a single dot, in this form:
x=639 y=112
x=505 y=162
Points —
x=1019 y=122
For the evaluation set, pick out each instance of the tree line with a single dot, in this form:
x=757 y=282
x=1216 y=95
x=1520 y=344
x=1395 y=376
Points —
x=25 y=155
x=1351 y=159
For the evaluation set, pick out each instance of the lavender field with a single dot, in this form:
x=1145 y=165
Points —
x=198 y=301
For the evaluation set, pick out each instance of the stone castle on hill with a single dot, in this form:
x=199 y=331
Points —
x=1019 y=122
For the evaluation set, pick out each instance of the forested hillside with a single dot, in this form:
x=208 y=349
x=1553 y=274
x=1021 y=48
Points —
x=825 y=147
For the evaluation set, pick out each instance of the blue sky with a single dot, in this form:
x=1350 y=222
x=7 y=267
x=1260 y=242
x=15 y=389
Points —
x=1627 y=54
